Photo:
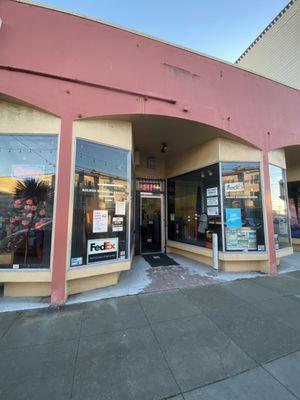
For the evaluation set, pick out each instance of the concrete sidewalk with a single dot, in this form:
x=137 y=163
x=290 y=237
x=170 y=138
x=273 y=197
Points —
x=236 y=340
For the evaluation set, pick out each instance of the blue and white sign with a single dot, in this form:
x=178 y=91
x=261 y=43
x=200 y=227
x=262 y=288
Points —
x=233 y=217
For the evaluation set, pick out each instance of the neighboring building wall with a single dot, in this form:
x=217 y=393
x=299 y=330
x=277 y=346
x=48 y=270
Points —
x=276 y=52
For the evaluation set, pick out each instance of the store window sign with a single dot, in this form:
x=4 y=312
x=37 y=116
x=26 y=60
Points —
x=212 y=211
x=243 y=239
x=102 y=249
x=233 y=188
x=117 y=224
x=100 y=221
x=233 y=218
x=213 y=191
x=76 y=261
x=26 y=171
x=120 y=208
x=212 y=201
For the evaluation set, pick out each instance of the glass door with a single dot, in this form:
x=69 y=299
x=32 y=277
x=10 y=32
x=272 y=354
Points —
x=151 y=224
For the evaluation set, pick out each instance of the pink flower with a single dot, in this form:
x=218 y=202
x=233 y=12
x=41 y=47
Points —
x=25 y=222
x=17 y=204
x=29 y=215
x=29 y=201
x=17 y=219
x=42 y=213
x=38 y=225
x=33 y=208
x=12 y=220
x=27 y=208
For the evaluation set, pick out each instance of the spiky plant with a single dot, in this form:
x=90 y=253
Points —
x=34 y=189
x=27 y=211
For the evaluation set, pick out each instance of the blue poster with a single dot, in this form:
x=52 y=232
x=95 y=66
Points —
x=233 y=217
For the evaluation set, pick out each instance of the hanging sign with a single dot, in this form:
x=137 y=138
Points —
x=100 y=221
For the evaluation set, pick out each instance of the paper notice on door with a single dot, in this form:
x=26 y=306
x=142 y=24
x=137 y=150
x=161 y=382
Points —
x=100 y=221
x=120 y=208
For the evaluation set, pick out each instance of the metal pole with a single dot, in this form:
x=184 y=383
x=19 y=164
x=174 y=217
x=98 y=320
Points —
x=215 y=252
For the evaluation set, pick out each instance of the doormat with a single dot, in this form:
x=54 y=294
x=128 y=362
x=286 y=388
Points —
x=159 y=260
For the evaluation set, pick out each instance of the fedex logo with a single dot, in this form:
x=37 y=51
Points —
x=102 y=246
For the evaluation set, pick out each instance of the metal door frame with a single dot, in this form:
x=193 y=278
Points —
x=160 y=196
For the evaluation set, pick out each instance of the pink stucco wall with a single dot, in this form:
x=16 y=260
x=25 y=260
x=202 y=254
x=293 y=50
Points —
x=103 y=70
x=52 y=42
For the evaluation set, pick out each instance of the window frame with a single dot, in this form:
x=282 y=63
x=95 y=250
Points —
x=263 y=209
x=167 y=204
x=72 y=187
x=287 y=204
x=58 y=144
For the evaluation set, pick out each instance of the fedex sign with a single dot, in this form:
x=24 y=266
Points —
x=102 y=249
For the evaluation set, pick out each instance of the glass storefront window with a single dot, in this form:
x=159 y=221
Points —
x=280 y=207
x=294 y=205
x=194 y=210
x=101 y=195
x=27 y=184
x=242 y=202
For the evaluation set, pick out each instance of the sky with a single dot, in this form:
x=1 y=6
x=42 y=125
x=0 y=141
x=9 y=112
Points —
x=220 y=28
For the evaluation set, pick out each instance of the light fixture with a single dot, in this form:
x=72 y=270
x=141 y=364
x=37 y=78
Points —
x=163 y=147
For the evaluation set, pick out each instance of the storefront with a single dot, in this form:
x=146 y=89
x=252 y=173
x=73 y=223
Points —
x=99 y=164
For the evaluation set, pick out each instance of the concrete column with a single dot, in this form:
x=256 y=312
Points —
x=269 y=215
x=60 y=244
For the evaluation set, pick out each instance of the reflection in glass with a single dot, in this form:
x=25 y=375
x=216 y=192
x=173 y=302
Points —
x=279 y=207
x=27 y=182
x=242 y=202
x=194 y=211
x=294 y=205
x=100 y=217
